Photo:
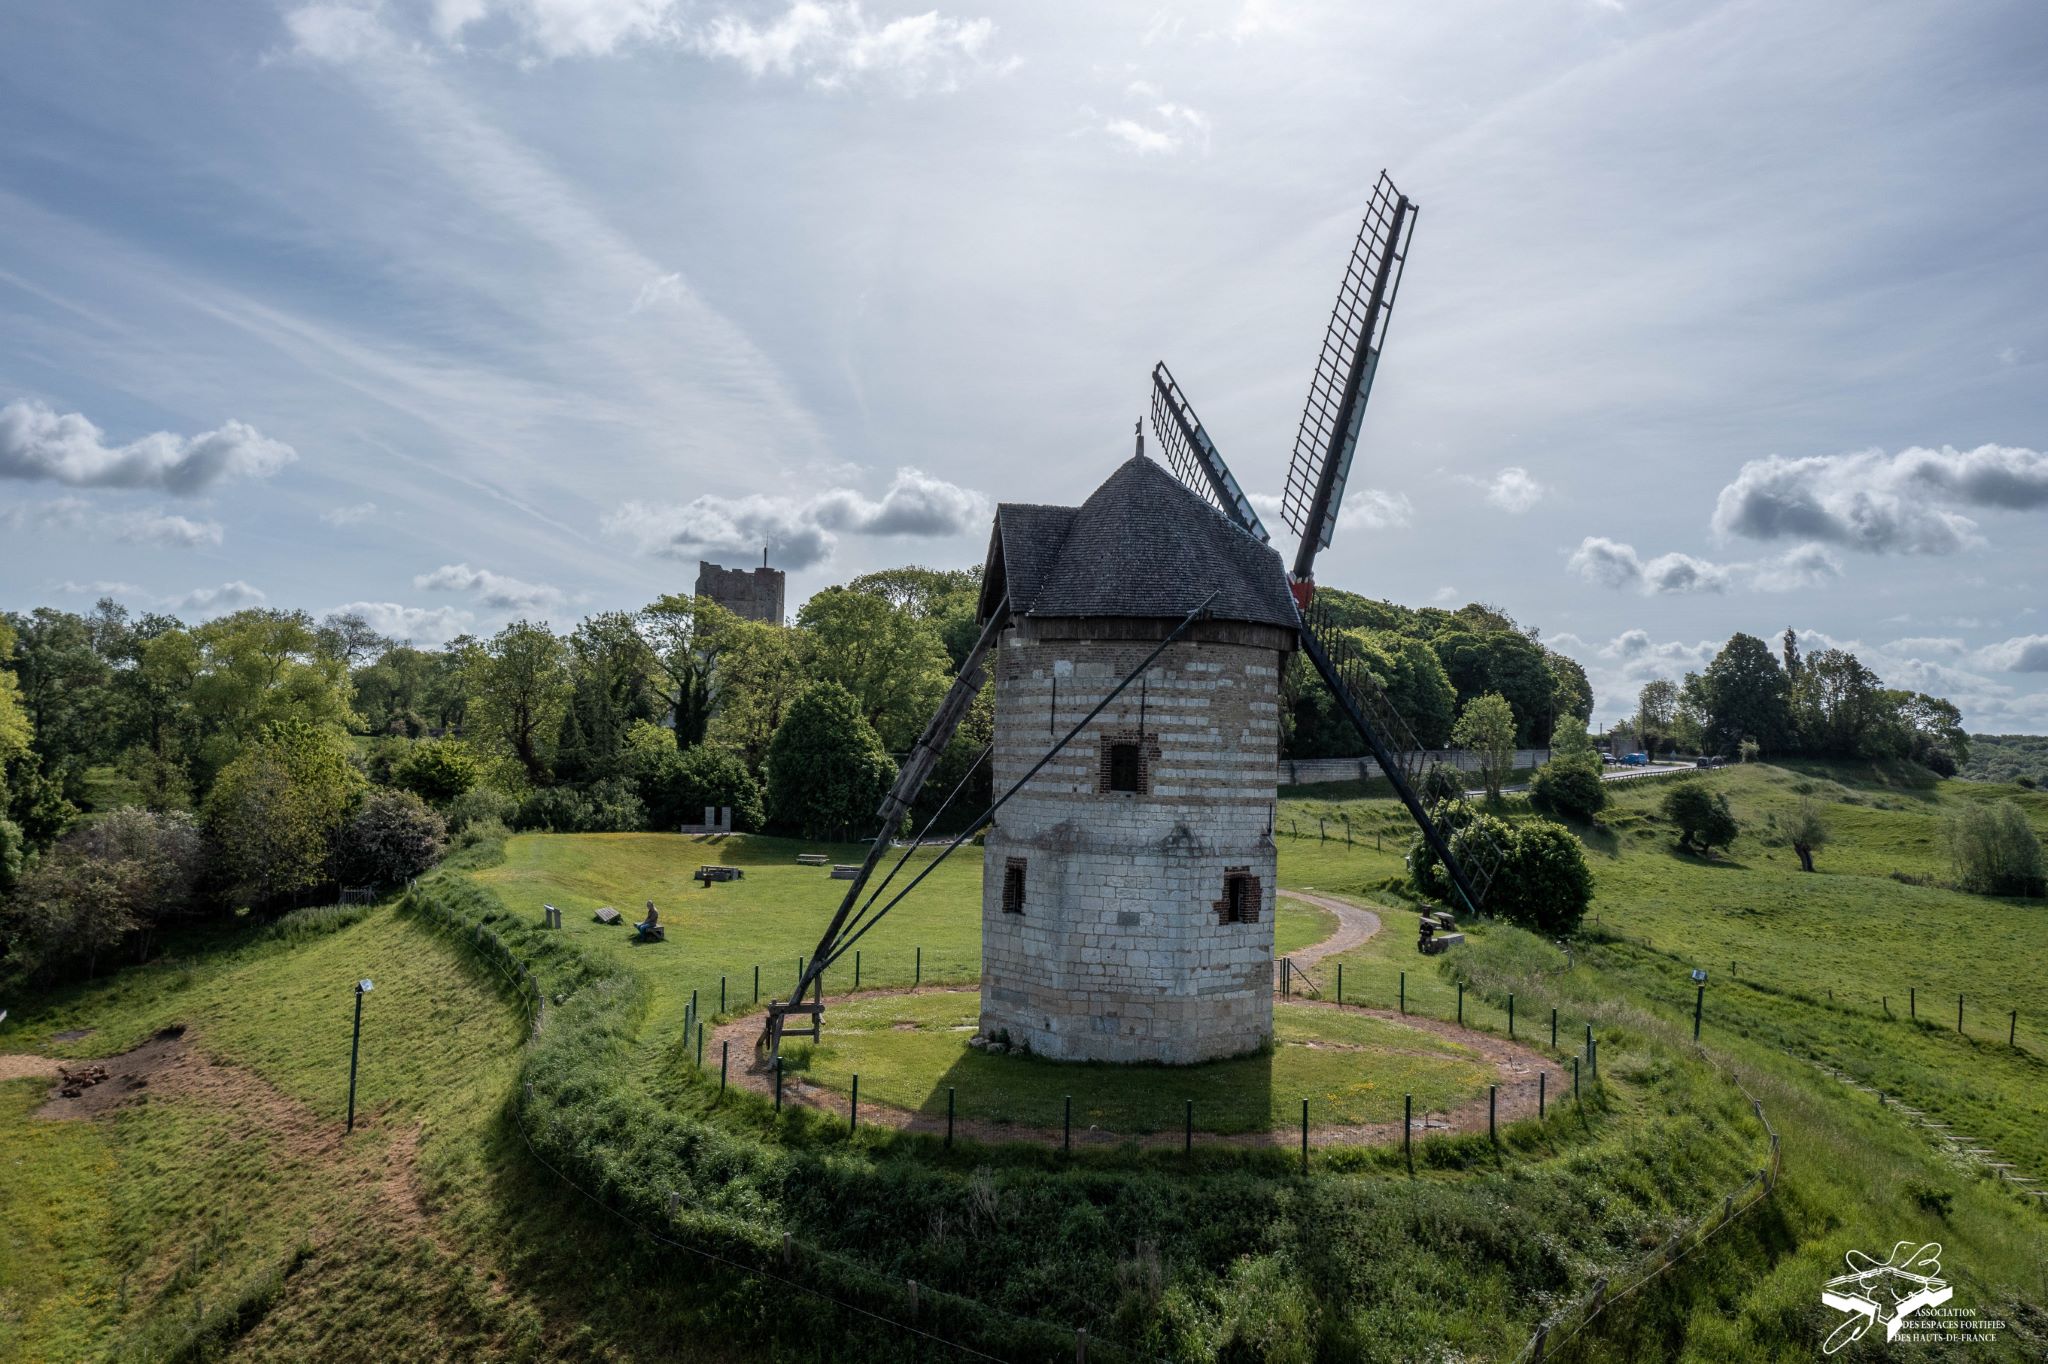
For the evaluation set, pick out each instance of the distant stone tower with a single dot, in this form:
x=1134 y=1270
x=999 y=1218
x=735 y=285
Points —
x=1127 y=895
x=750 y=593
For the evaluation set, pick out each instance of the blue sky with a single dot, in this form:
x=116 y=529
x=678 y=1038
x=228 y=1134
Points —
x=1719 y=317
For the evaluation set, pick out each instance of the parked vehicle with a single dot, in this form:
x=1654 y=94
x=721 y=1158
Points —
x=1637 y=760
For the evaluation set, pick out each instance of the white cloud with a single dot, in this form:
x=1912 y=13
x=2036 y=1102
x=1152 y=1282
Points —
x=496 y=590
x=2020 y=654
x=1611 y=563
x=1513 y=489
x=798 y=532
x=1162 y=128
x=1376 y=509
x=37 y=442
x=1444 y=596
x=427 y=627
x=214 y=601
x=98 y=589
x=836 y=46
x=1927 y=644
x=1905 y=503
x=353 y=514
x=146 y=526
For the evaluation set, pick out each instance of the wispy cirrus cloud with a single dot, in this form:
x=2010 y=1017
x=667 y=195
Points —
x=354 y=514
x=38 y=443
x=799 y=532
x=425 y=626
x=1911 y=502
x=1150 y=124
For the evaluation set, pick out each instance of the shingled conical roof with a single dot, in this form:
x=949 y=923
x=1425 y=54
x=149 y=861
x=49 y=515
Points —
x=1143 y=545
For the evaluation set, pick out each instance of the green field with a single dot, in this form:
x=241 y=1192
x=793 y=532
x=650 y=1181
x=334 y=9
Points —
x=222 y=1214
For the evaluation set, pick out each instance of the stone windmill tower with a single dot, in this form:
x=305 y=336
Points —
x=1127 y=890
x=1136 y=642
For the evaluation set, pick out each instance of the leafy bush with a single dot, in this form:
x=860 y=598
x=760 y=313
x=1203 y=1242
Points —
x=1703 y=818
x=1441 y=784
x=104 y=883
x=827 y=771
x=676 y=784
x=436 y=772
x=479 y=805
x=1542 y=882
x=1996 y=851
x=275 y=810
x=609 y=806
x=1570 y=787
x=392 y=836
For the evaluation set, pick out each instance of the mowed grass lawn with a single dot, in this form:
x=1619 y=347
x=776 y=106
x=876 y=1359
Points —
x=1352 y=1068
x=769 y=919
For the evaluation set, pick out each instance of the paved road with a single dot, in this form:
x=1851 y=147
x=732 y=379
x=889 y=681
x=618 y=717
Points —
x=1607 y=774
x=1354 y=926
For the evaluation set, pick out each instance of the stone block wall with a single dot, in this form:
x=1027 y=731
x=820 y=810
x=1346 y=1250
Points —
x=749 y=593
x=1121 y=950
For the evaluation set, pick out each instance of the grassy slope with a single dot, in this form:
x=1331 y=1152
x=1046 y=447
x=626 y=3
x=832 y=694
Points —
x=503 y=1265
x=126 y=1228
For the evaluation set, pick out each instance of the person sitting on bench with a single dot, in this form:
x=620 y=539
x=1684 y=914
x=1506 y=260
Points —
x=650 y=927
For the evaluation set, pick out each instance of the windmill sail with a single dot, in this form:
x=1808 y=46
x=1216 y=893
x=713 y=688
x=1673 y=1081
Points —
x=1193 y=457
x=1337 y=394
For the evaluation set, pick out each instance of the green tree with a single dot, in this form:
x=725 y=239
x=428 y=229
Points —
x=274 y=811
x=608 y=693
x=676 y=785
x=1702 y=817
x=1542 y=881
x=249 y=670
x=1806 y=830
x=892 y=662
x=1656 y=715
x=1837 y=708
x=436 y=771
x=1506 y=663
x=758 y=673
x=1995 y=850
x=1744 y=695
x=1413 y=678
x=948 y=598
x=519 y=688
x=682 y=635
x=1571 y=692
x=827 y=769
x=1486 y=728
x=1570 y=783
x=391 y=836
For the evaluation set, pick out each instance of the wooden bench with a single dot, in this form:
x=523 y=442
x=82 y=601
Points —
x=812 y=859
x=845 y=871
x=1442 y=942
x=710 y=872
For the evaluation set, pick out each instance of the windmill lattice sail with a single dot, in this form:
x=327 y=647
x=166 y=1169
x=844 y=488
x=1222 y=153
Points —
x=1193 y=457
x=1337 y=393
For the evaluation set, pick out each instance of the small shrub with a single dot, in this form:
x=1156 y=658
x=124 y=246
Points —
x=1928 y=1198
x=436 y=772
x=1440 y=784
x=1570 y=788
x=479 y=805
x=1703 y=818
x=1805 y=832
x=2028 y=782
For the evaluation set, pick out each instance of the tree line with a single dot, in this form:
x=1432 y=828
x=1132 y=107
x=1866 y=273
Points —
x=1753 y=702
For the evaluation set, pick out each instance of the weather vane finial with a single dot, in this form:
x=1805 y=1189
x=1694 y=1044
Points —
x=1139 y=426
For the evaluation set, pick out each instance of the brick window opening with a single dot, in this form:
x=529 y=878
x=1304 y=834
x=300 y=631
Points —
x=1241 y=896
x=1013 y=886
x=1127 y=761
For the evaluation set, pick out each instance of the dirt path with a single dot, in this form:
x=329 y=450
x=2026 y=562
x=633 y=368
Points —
x=20 y=1065
x=1516 y=1066
x=1354 y=926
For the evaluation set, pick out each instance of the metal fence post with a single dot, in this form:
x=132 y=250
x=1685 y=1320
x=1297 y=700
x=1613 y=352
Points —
x=1067 y=1126
x=1304 y=1136
x=1408 y=1131
x=1188 y=1141
x=757 y=983
x=1553 y=1030
x=853 y=1106
x=1511 y=1018
x=1461 y=1003
x=949 y=1117
x=1340 y=983
x=778 y=1084
x=724 y=1057
x=1404 y=992
x=1542 y=1076
x=1492 y=1106
x=918 y=978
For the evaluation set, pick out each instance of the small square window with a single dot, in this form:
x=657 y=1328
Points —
x=1013 y=886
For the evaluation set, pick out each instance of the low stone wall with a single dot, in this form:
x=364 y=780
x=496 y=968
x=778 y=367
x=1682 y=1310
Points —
x=1314 y=771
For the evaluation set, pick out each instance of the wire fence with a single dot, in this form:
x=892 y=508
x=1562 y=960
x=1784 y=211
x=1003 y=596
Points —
x=1565 y=1325
x=921 y=1311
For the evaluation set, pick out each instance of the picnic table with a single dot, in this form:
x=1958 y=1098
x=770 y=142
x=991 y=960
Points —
x=711 y=872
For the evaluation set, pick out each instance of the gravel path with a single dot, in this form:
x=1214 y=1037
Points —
x=1354 y=926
